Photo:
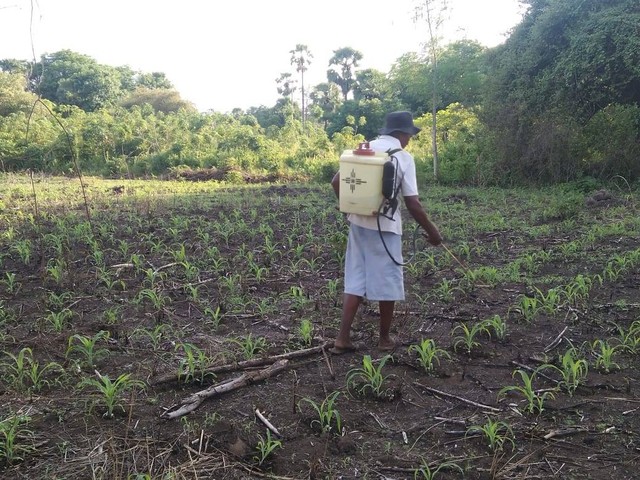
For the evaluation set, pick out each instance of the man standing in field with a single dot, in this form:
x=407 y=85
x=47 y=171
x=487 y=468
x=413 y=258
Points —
x=369 y=270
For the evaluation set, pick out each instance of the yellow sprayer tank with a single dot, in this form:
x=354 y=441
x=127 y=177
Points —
x=361 y=180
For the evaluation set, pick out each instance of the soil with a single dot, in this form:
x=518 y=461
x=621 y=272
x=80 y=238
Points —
x=420 y=422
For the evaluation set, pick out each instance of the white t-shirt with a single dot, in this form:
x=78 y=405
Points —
x=406 y=175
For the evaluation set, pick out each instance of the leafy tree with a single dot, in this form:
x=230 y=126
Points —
x=346 y=59
x=153 y=80
x=160 y=99
x=70 y=78
x=301 y=59
x=371 y=84
x=275 y=116
x=13 y=95
x=11 y=65
x=286 y=85
x=325 y=99
x=565 y=62
x=410 y=81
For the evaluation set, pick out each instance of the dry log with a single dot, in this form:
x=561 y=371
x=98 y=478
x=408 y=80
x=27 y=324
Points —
x=193 y=401
x=256 y=362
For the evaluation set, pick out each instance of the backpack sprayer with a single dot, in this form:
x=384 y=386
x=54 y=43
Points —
x=373 y=186
x=372 y=178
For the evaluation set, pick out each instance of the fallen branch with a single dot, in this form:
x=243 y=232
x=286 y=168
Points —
x=256 y=362
x=556 y=341
x=462 y=399
x=564 y=432
x=267 y=423
x=192 y=402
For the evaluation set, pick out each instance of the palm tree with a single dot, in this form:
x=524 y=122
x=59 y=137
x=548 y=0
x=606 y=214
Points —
x=347 y=59
x=301 y=58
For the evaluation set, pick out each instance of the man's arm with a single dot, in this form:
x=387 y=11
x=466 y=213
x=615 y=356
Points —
x=335 y=183
x=418 y=212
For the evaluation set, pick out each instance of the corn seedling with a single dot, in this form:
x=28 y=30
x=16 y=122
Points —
x=604 y=353
x=110 y=392
x=155 y=336
x=535 y=399
x=193 y=364
x=86 y=349
x=299 y=298
x=528 y=308
x=578 y=290
x=368 y=377
x=250 y=346
x=469 y=335
x=428 y=353
x=56 y=301
x=630 y=339
x=549 y=302
x=429 y=472
x=444 y=290
x=14 y=437
x=106 y=278
x=497 y=325
x=265 y=447
x=305 y=331
x=495 y=432
x=213 y=316
x=24 y=373
x=157 y=299
x=11 y=284
x=572 y=369
x=59 y=319
x=56 y=269
x=326 y=413
x=23 y=249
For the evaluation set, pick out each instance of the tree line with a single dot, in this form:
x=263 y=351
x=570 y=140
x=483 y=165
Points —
x=557 y=101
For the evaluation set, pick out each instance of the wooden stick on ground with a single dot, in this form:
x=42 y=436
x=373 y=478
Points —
x=267 y=423
x=556 y=341
x=464 y=400
x=193 y=401
x=256 y=362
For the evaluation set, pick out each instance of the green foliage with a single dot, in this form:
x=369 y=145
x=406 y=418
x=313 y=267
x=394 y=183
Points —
x=327 y=414
x=428 y=353
x=85 y=348
x=462 y=148
x=250 y=346
x=368 y=377
x=109 y=393
x=431 y=472
x=564 y=63
x=15 y=438
x=24 y=373
x=495 y=432
x=535 y=399
x=265 y=447
x=572 y=368
x=469 y=335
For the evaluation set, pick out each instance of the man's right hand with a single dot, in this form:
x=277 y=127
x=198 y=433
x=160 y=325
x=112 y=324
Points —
x=433 y=237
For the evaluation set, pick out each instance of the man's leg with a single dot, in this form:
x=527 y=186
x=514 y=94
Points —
x=386 y=343
x=349 y=309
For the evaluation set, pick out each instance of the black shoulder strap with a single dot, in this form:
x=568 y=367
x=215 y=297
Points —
x=390 y=152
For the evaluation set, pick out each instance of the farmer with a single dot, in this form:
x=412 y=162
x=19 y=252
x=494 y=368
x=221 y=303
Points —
x=369 y=270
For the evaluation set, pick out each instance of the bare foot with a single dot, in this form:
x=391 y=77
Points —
x=387 y=344
x=340 y=348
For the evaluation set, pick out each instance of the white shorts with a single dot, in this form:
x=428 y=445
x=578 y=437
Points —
x=369 y=271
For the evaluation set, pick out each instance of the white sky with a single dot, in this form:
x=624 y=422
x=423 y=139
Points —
x=223 y=54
